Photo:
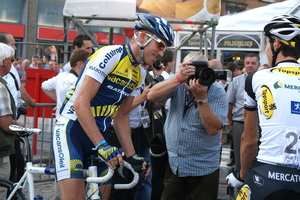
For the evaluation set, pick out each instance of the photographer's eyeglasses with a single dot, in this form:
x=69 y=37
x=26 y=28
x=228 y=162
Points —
x=160 y=43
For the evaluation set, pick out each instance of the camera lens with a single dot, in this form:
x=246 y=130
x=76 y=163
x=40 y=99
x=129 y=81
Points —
x=207 y=76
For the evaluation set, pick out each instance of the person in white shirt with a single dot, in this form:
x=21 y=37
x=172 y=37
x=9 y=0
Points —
x=58 y=87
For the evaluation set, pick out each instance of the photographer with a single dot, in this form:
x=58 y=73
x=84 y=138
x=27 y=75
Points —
x=192 y=129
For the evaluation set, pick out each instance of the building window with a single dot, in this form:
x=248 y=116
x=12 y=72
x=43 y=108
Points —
x=268 y=1
x=11 y=11
x=105 y=29
x=50 y=13
x=232 y=7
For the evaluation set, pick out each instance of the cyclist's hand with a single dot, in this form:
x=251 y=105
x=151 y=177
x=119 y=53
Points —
x=234 y=179
x=139 y=164
x=111 y=155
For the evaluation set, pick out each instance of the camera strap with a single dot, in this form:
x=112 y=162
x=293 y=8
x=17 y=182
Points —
x=189 y=101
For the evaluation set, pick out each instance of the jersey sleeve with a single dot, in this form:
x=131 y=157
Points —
x=250 y=102
x=103 y=61
x=50 y=84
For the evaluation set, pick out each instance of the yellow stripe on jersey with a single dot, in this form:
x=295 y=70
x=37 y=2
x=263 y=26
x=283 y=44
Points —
x=104 y=111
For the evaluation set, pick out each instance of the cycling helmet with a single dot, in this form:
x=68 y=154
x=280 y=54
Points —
x=285 y=28
x=156 y=25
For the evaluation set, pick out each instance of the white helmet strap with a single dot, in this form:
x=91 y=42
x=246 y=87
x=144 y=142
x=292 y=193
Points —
x=142 y=46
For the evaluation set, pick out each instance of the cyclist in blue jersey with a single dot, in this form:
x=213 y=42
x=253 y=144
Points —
x=105 y=90
x=270 y=161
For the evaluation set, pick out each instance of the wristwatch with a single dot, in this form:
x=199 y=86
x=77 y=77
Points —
x=200 y=102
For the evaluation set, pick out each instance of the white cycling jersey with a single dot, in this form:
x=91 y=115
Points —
x=275 y=93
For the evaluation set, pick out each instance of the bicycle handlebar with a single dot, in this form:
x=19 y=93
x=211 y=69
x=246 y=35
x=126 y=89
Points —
x=28 y=131
x=110 y=174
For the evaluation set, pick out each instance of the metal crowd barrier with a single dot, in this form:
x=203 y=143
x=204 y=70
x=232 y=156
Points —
x=41 y=145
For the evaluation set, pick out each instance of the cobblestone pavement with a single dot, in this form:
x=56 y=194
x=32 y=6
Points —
x=49 y=191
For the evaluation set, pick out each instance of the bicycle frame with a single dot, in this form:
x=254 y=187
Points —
x=91 y=175
x=27 y=178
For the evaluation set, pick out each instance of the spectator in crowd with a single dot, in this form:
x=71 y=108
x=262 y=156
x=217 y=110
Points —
x=100 y=85
x=234 y=68
x=46 y=61
x=235 y=72
x=270 y=160
x=34 y=60
x=26 y=64
x=168 y=61
x=19 y=94
x=235 y=94
x=58 y=87
x=53 y=53
x=264 y=66
x=192 y=132
x=215 y=64
x=13 y=81
x=56 y=67
x=52 y=65
x=39 y=51
x=8 y=112
x=20 y=69
x=40 y=64
x=18 y=64
x=80 y=42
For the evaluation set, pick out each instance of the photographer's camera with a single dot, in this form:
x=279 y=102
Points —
x=208 y=76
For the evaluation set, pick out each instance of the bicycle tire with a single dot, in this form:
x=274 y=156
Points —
x=9 y=186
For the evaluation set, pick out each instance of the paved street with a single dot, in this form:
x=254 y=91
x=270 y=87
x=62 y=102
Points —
x=48 y=191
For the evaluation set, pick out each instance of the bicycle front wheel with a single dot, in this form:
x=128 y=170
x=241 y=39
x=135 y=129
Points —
x=6 y=187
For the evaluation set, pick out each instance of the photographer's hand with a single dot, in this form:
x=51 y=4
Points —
x=199 y=91
x=186 y=70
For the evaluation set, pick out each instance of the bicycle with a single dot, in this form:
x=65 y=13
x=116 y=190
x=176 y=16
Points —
x=14 y=190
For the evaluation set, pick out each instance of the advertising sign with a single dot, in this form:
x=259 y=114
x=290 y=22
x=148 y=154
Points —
x=193 y=10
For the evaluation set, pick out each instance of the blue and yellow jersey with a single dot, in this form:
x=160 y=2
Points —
x=116 y=68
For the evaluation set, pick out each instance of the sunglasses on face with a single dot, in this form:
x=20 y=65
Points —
x=161 y=45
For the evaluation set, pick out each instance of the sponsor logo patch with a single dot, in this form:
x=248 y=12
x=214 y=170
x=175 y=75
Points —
x=295 y=107
x=267 y=102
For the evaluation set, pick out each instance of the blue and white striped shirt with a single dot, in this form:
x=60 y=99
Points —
x=192 y=152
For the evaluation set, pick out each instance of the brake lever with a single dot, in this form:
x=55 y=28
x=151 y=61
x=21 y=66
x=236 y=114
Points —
x=120 y=171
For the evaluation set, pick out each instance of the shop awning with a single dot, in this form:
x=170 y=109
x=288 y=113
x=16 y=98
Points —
x=255 y=19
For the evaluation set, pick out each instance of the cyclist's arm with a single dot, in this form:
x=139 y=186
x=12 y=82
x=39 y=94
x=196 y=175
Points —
x=122 y=126
x=82 y=106
x=162 y=89
x=248 y=142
